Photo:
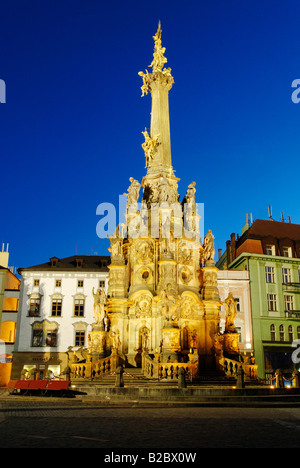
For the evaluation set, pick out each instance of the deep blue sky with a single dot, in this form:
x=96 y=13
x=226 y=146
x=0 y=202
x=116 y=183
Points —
x=70 y=131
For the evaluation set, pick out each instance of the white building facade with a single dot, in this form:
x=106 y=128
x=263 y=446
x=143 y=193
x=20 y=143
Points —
x=56 y=312
x=238 y=283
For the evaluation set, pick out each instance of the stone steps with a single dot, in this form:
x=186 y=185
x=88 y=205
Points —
x=191 y=395
x=134 y=377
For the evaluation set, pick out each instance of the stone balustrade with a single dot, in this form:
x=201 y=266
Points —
x=231 y=367
x=153 y=369
x=94 y=369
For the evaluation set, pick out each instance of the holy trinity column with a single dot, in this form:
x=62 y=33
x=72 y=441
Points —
x=162 y=296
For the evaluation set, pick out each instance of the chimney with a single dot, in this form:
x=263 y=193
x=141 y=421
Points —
x=232 y=241
x=228 y=252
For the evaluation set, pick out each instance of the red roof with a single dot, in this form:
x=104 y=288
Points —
x=266 y=228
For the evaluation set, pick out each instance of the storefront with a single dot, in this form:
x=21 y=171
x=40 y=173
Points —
x=38 y=366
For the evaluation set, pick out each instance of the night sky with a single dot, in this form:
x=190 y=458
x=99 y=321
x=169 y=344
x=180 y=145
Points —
x=70 y=130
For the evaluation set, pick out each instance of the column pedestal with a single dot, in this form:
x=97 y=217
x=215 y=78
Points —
x=97 y=344
x=231 y=343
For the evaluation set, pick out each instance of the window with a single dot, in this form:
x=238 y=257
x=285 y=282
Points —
x=272 y=303
x=291 y=333
x=237 y=303
x=80 y=283
x=34 y=307
x=298 y=332
x=37 y=337
x=288 y=303
x=43 y=334
x=286 y=251
x=239 y=330
x=57 y=283
x=79 y=337
x=273 y=332
x=79 y=307
x=101 y=284
x=36 y=282
x=281 y=333
x=51 y=336
x=56 y=308
x=286 y=275
x=270 y=277
x=270 y=249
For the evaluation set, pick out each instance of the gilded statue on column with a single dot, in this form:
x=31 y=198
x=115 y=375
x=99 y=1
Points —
x=149 y=146
x=157 y=64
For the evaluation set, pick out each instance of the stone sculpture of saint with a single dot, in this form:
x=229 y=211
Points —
x=164 y=191
x=99 y=306
x=190 y=194
x=133 y=192
x=208 y=247
x=169 y=303
x=145 y=338
x=193 y=339
x=115 y=339
x=230 y=309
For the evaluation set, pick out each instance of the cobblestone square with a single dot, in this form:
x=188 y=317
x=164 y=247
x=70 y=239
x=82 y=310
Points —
x=66 y=424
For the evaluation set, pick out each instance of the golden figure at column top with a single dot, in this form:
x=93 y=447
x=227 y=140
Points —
x=158 y=57
x=158 y=62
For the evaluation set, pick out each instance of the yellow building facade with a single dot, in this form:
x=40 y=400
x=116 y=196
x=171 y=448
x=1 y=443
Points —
x=9 y=303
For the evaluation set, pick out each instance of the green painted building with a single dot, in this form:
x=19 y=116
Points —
x=270 y=251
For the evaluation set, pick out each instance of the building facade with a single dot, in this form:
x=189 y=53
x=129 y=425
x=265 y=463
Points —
x=56 y=312
x=270 y=251
x=237 y=282
x=9 y=303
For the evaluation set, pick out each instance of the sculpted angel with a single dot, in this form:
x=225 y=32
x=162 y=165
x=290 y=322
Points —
x=149 y=146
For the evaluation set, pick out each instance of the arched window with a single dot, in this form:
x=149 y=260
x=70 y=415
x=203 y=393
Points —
x=10 y=304
x=8 y=331
x=273 y=332
x=281 y=333
x=291 y=333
